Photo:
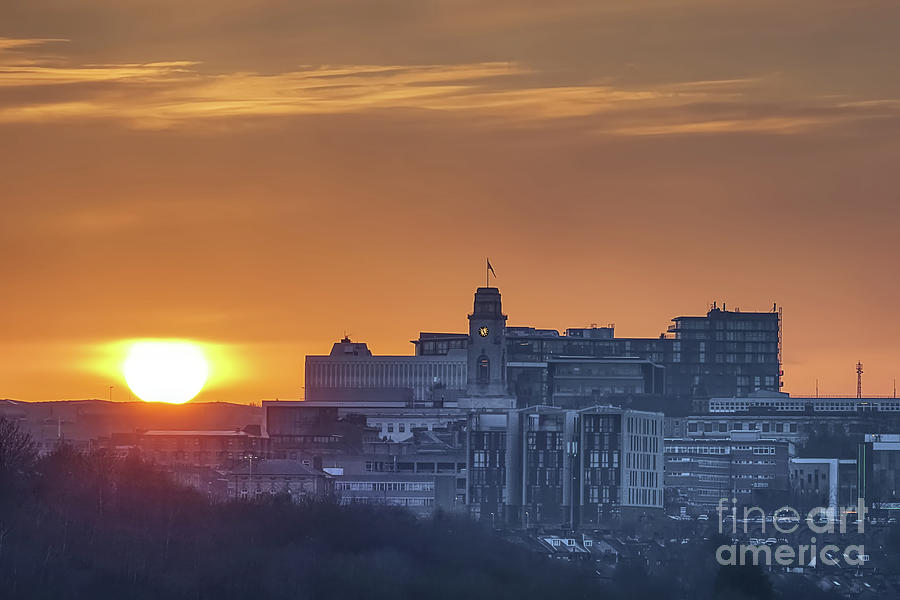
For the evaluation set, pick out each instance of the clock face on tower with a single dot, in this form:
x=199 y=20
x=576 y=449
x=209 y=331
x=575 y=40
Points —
x=483 y=331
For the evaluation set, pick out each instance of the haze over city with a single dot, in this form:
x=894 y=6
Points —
x=264 y=177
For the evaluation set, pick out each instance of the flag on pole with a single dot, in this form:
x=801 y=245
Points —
x=490 y=268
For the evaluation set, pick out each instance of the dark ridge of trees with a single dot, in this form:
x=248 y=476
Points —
x=92 y=526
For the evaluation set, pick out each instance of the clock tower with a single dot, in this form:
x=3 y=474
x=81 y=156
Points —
x=486 y=380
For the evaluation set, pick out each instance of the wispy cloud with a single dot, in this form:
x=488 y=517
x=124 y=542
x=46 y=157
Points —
x=179 y=93
x=14 y=43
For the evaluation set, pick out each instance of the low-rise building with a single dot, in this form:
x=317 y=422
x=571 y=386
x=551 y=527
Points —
x=779 y=403
x=743 y=465
x=352 y=372
x=251 y=479
x=198 y=448
x=422 y=494
x=796 y=428
x=828 y=482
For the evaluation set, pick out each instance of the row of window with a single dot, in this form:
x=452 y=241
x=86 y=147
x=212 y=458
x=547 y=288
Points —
x=391 y=501
x=385 y=486
x=643 y=478
x=644 y=443
x=544 y=440
x=600 y=424
x=731 y=405
x=482 y=458
x=293 y=493
x=743 y=324
x=405 y=373
x=673 y=449
x=645 y=497
x=598 y=494
x=199 y=456
x=419 y=467
x=643 y=425
x=724 y=427
x=597 y=459
x=640 y=461
x=594 y=389
x=210 y=442
x=403 y=427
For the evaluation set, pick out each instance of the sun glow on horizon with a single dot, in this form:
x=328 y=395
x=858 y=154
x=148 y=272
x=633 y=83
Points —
x=171 y=371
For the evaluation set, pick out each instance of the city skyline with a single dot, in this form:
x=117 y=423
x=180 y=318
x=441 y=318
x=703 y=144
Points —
x=263 y=177
x=231 y=368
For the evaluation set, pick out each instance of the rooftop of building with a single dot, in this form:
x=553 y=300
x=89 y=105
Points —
x=717 y=312
x=393 y=476
x=196 y=433
x=818 y=461
x=369 y=408
x=589 y=410
x=728 y=437
x=276 y=467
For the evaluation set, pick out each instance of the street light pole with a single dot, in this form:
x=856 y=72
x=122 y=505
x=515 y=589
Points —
x=250 y=485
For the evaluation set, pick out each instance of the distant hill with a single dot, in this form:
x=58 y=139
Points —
x=90 y=419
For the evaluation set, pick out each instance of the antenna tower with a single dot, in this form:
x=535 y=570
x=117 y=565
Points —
x=859 y=372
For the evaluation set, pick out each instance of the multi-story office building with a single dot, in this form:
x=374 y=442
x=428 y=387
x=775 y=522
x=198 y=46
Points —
x=564 y=466
x=488 y=478
x=729 y=353
x=742 y=465
x=725 y=353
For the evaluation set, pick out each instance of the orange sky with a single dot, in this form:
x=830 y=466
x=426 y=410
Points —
x=264 y=176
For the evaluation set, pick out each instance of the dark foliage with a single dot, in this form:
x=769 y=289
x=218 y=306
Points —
x=17 y=456
x=743 y=582
x=94 y=527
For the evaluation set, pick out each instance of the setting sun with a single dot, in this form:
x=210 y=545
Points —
x=165 y=370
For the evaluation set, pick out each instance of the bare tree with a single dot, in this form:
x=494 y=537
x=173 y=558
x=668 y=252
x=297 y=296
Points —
x=17 y=450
